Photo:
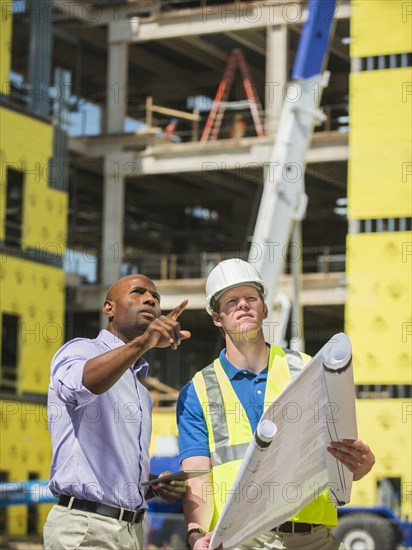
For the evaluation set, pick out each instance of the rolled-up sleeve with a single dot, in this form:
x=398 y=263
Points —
x=67 y=375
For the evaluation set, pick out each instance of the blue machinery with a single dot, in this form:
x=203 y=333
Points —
x=283 y=203
x=25 y=492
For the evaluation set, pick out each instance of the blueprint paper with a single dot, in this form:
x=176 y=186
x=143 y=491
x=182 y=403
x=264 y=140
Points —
x=314 y=409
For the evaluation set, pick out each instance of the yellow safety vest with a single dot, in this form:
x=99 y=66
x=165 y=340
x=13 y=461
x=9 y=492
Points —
x=230 y=433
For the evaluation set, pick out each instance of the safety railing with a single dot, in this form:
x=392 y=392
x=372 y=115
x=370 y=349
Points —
x=319 y=259
x=194 y=265
x=156 y=118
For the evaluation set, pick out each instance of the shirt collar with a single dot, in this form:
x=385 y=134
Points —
x=112 y=341
x=141 y=367
x=231 y=371
x=109 y=339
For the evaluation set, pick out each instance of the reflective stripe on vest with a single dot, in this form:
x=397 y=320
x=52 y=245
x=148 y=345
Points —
x=229 y=428
x=216 y=384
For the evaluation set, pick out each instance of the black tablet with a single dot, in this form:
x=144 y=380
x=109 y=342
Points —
x=176 y=476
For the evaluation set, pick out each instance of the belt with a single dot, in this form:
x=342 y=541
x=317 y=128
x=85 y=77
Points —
x=295 y=527
x=131 y=516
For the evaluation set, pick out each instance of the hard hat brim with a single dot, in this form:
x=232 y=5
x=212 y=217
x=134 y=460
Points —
x=212 y=301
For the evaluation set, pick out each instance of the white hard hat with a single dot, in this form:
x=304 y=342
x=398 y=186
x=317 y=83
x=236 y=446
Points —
x=228 y=274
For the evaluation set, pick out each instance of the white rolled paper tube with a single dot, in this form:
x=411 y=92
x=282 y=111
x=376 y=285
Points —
x=340 y=407
x=338 y=355
x=265 y=432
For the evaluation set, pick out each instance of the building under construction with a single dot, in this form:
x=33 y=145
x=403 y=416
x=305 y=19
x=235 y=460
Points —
x=116 y=160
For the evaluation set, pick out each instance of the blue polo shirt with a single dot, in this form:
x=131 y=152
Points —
x=250 y=390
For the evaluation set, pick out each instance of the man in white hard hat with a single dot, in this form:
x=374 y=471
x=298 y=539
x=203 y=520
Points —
x=248 y=374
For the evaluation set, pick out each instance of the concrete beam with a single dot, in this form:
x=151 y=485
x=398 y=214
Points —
x=217 y=155
x=317 y=289
x=230 y=155
x=226 y=18
x=189 y=22
x=327 y=150
x=169 y=158
x=99 y=146
x=99 y=13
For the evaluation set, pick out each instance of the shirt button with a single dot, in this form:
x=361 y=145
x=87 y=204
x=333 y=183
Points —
x=259 y=392
x=245 y=372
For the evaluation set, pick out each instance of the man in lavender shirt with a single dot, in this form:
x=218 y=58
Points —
x=100 y=423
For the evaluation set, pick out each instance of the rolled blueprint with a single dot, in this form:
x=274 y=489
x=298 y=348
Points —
x=338 y=373
x=252 y=462
x=262 y=438
x=275 y=482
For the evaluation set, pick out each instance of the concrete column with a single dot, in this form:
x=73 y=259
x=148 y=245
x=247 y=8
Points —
x=103 y=119
x=40 y=54
x=117 y=81
x=114 y=173
x=113 y=218
x=276 y=74
x=115 y=162
x=297 y=342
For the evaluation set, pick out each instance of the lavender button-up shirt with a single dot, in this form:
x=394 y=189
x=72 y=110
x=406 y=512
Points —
x=100 y=442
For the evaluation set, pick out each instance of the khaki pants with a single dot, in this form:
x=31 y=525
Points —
x=319 y=539
x=71 y=529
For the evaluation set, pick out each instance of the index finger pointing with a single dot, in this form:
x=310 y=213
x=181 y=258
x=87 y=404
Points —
x=178 y=310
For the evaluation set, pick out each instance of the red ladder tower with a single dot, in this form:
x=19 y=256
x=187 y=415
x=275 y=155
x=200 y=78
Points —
x=214 y=121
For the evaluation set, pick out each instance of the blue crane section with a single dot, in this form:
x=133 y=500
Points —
x=314 y=41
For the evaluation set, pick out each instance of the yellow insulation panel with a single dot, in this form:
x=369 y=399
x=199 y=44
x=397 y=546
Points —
x=163 y=424
x=380 y=163
x=380 y=27
x=17 y=519
x=36 y=293
x=44 y=208
x=5 y=44
x=378 y=313
x=25 y=447
x=380 y=182
x=386 y=426
x=386 y=119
